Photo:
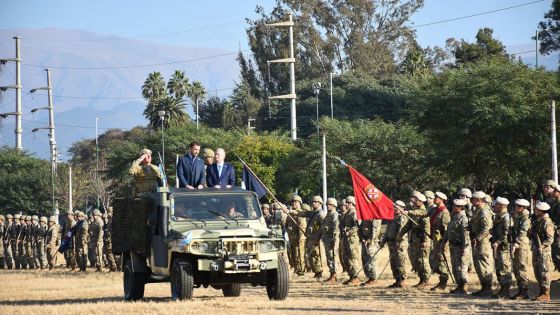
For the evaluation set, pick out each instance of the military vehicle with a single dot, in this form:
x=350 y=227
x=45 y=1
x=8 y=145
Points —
x=198 y=238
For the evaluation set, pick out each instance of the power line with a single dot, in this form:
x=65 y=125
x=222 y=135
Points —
x=139 y=37
x=476 y=14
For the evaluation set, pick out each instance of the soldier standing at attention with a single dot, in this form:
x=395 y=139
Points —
x=108 y=241
x=542 y=235
x=500 y=245
x=481 y=223
x=457 y=236
x=439 y=219
x=41 y=257
x=81 y=242
x=52 y=242
x=96 y=240
x=146 y=175
x=330 y=236
x=369 y=237
x=350 y=228
x=297 y=236
x=14 y=238
x=419 y=228
x=313 y=246
x=27 y=243
x=8 y=254
x=554 y=214
x=396 y=245
x=431 y=206
x=342 y=241
x=520 y=248
x=69 y=255
x=2 y=236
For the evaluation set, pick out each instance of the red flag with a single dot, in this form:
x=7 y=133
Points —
x=371 y=203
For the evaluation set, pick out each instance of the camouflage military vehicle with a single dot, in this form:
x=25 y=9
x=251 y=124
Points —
x=194 y=238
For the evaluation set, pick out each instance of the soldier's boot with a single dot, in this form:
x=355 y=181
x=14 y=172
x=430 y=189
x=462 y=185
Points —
x=352 y=281
x=486 y=290
x=460 y=289
x=318 y=275
x=113 y=269
x=422 y=284
x=441 y=285
x=544 y=295
x=369 y=282
x=398 y=284
x=98 y=269
x=522 y=294
x=503 y=293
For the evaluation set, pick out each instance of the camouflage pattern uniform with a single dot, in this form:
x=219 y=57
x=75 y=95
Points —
x=396 y=242
x=32 y=242
x=296 y=234
x=41 y=236
x=502 y=258
x=439 y=222
x=52 y=242
x=419 y=234
x=481 y=223
x=70 y=254
x=352 y=244
x=146 y=176
x=14 y=240
x=520 y=246
x=2 y=236
x=542 y=235
x=554 y=214
x=26 y=253
x=108 y=244
x=8 y=254
x=459 y=240
x=330 y=235
x=96 y=240
x=313 y=245
x=369 y=237
x=342 y=241
x=81 y=243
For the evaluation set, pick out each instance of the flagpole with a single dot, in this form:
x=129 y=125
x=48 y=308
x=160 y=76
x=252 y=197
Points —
x=324 y=158
x=275 y=199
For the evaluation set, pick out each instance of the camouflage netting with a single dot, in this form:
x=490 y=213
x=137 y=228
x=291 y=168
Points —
x=130 y=225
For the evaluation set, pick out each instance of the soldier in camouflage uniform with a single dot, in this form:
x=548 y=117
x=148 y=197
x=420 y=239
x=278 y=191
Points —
x=419 y=228
x=439 y=219
x=466 y=194
x=146 y=175
x=296 y=234
x=481 y=223
x=21 y=261
x=548 y=191
x=542 y=236
x=27 y=252
x=396 y=242
x=41 y=235
x=554 y=213
x=431 y=206
x=2 y=236
x=457 y=236
x=520 y=248
x=96 y=240
x=330 y=235
x=8 y=254
x=313 y=245
x=15 y=240
x=500 y=245
x=350 y=228
x=52 y=242
x=32 y=242
x=369 y=237
x=268 y=219
x=108 y=241
x=70 y=254
x=81 y=242
x=342 y=240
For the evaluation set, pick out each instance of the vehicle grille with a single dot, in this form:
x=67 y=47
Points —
x=241 y=247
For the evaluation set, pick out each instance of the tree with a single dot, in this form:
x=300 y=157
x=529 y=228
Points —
x=211 y=112
x=174 y=108
x=178 y=85
x=153 y=87
x=197 y=93
x=549 y=29
x=485 y=46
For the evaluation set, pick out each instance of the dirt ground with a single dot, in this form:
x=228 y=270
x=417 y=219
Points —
x=62 y=292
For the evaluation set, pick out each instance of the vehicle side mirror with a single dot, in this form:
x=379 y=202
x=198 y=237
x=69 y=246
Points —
x=163 y=220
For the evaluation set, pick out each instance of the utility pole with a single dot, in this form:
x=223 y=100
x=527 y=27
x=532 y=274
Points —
x=317 y=90
x=332 y=112
x=70 y=195
x=290 y=60
x=249 y=127
x=553 y=140
x=97 y=160
x=536 y=48
x=17 y=87
x=161 y=115
x=324 y=160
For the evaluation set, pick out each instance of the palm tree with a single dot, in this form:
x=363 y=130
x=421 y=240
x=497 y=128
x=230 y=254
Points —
x=174 y=111
x=197 y=92
x=178 y=85
x=154 y=87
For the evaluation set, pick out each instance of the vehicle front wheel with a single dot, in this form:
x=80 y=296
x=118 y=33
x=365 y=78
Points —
x=278 y=280
x=133 y=282
x=182 y=282
x=232 y=290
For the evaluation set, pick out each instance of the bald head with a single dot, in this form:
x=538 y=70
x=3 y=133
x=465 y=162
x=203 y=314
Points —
x=220 y=156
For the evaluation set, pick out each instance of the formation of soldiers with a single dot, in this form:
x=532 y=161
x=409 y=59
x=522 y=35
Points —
x=493 y=236
x=29 y=242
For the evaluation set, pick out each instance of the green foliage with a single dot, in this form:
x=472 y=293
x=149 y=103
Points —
x=549 y=29
x=486 y=46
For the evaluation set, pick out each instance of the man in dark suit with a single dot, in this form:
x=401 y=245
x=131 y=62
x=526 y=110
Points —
x=190 y=168
x=220 y=174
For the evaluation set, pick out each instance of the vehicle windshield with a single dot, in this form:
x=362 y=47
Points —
x=215 y=206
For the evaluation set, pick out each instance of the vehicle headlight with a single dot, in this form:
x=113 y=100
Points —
x=272 y=246
x=200 y=247
x=266 y=246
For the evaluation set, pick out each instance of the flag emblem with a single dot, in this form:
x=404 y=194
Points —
x=372 y=193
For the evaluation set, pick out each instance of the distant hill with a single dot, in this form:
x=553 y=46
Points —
x=82 y=95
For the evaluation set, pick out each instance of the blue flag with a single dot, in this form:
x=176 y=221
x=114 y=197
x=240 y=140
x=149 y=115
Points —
x=67 y=239
x=252 y=183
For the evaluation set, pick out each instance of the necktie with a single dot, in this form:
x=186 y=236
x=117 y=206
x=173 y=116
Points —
x=220 y=170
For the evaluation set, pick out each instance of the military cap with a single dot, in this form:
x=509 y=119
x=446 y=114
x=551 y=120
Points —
x=35 y=218
x=351 y=199
x=207 y=152
x=543 y=206
x=277 y=206
x=551 y=183
x=17 y=216
x=265 y=205
x=488 y=199
x=9 y=216
x=146 y=151
x=332 y=202
x=400 y=204
x=305 y=207
x=318 y=199
x=52 y=219
x=28 y=218
x=465 y=192
x=502 y=201
x=69 y=211
x=43 y=219
x=96 y=212
x=441 y=195
x=2 y=217
x=460 y=202
x=297 y=198
x=479 y=195
x=420 y=196
x=522 y=202
x=429 y=194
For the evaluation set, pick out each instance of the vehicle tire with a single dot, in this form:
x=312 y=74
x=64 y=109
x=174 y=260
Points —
x=182 y=281
x=278 y=280
x=232 y=290
x=133 y=282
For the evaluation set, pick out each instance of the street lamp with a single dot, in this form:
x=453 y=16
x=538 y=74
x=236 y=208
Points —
x=97 y=158
x=331 y=75
x=161 y=115
x=317 y=89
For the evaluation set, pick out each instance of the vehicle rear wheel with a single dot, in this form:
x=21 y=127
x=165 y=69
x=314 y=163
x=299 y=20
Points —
x=278 y=280
x=182 y=282
x=232 y=290
x=133 y=282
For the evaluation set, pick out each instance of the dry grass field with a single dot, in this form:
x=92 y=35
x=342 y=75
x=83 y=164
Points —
x=60 y=292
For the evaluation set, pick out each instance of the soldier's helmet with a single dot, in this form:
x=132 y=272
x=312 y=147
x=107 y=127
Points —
x=9 y=216
x=332 y=202
x=317 y=199
x=502 y=201
x=543 y=206
x=441 y=195
x=551 y=183
x=400 y=204
x=429 y=194
x=145 y=151
x=465 y=192
x=276 y=206
x=2 y=217
x=305 y=207
x=43 y=219
x=207 y=152
x=96 y=212
x=17 y=216
x=420 y=196
x=479 y=195
x=297 y=198
x=460 y=202
x=351 y=199
x=35 y=218
x=52 y=219
x=28 y=218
